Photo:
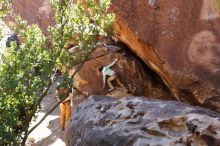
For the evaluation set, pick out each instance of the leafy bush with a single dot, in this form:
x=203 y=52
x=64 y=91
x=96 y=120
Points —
x=80 y=24
x=4 y=7
x=27 y=70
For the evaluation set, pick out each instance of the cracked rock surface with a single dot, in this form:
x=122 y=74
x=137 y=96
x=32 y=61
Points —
x=136 y=121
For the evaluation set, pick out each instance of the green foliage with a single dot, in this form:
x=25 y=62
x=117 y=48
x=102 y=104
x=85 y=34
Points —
x=20 y=83
x=82 y=25
x=5 y=6
x=67 y=82
x=18 y=25
x=26 y=70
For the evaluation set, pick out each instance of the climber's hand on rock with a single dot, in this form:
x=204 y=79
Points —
x=71 y=95
x=58 y=99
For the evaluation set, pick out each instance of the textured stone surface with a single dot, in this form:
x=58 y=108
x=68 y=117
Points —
x=136 y=121
x=130 y=70
x=178 y=39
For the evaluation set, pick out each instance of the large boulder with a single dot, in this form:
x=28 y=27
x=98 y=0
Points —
x=136 y=121
x=131 y=71
x=178 y=39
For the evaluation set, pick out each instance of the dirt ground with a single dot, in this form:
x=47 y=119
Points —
x=49 y=132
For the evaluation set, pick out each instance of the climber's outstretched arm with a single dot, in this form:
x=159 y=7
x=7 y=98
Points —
x=113 y=63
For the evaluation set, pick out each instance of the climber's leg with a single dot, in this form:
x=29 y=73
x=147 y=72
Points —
x=68 y=111
x=62 y=115
x=110 y=79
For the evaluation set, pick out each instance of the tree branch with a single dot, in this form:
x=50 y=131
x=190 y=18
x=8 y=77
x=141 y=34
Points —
x=55 y=105
x=41 y=97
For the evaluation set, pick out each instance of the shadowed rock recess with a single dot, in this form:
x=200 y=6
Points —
x=179 y=40
x=135 y=121
x=131 y=70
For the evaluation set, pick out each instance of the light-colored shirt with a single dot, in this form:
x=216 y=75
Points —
x=108 y=71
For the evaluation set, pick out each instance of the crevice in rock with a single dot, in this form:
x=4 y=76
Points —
x=146 y=53
x=154 y=78
x=185 y=87
x=138 y=78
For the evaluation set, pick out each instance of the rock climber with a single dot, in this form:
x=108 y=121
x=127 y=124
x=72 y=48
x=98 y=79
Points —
x=62 y=90
x=107 y=71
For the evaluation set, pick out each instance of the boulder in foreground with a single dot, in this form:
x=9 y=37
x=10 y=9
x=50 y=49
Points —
x=136 y=121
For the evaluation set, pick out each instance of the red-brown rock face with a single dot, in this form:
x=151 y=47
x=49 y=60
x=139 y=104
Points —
x=178 y=39
x=34 y=11
x=130 y=71
x=184 y=35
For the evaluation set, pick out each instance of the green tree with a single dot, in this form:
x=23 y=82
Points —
x=27 y=70
x=20 y=85
x=4 y=7
x=82 y=23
